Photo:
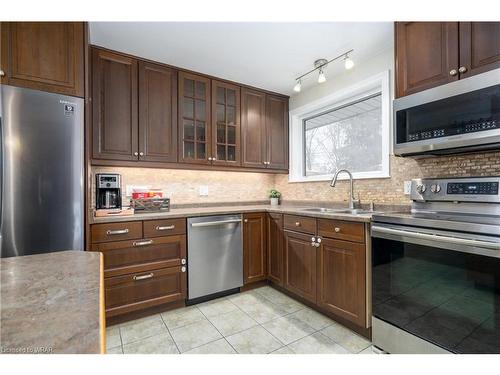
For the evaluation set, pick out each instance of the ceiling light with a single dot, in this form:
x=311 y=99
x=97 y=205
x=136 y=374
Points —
x=348 y=63
x=321 y=76
x=297 y=86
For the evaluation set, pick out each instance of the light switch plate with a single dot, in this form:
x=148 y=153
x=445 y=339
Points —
x=407 y=187
x=203 y=191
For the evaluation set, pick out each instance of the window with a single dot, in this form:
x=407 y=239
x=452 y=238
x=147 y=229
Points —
x=346 y=130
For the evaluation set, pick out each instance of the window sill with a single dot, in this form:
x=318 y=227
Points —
x=364 y=176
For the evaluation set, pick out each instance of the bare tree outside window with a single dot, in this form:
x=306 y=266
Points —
x=348 y=137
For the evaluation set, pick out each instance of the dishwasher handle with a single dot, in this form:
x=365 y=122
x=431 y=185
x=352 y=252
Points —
x=215 y=223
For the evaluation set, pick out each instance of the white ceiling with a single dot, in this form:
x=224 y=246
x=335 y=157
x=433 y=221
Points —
x=264 y=55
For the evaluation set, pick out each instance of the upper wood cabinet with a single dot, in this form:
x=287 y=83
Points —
x=426 y=55
x=47 y=56
x=275 y=239
x=264 y=124
x=479 y=47
x=430 y=54
x=195 y=144
x=157 y=113
x=254 y=247
x=342 y=279
x=253 y=128
x=114 y=106
x=225 y=124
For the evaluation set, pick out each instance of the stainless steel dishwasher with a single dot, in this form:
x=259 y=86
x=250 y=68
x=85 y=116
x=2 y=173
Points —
x=215 y=255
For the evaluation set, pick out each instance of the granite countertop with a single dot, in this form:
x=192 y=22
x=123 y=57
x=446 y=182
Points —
x=51 y=303
x=231 y=209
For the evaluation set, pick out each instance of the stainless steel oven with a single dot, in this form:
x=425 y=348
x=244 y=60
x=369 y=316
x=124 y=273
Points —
x=460 y=116
x=436 y=270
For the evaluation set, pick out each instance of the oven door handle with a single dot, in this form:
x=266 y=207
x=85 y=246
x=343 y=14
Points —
x=437 y=237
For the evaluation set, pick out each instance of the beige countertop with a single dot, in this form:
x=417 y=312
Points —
x=52 y=303
x=231 y=209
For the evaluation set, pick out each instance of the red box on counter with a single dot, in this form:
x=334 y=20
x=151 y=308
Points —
x=148 y=194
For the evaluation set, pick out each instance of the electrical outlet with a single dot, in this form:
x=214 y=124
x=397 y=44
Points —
x=407 y=187
x=203 y=191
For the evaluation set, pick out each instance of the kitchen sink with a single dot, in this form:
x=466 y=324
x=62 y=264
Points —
x=355 y=211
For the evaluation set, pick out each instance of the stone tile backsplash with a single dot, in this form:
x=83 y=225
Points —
x=183 y=185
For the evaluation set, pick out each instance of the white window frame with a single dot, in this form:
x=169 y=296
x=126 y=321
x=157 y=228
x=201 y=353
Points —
x=379 y=83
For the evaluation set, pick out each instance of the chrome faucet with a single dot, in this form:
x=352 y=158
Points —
x=351 y=193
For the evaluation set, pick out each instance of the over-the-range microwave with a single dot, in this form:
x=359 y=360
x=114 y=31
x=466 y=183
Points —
x=457 y=117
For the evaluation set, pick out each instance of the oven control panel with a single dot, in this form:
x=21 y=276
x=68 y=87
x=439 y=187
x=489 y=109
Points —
x=477 y=189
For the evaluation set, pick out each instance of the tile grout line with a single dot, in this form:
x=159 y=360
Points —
x=170 y=333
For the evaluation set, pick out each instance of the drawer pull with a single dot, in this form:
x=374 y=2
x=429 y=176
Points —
x=144 y=277
x=142 y=243
x=168 y=227
x=183 y=269
x=337 y=229
x=118 y=231
x=297 y=223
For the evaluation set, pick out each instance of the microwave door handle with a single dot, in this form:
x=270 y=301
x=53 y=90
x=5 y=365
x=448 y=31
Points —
x=495 y=246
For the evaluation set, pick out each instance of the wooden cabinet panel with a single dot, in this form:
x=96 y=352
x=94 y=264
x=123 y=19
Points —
x=426 y=52
x=166 y=227
x=47 y=56
x=116 y=231
x=225 y=124
x=133 y=292
x=254 y=247
x=479 y=47
x=253 y=128
x=157 y=113
x=114 y=106
x=277 y=132
x=300 y=265
x=342 y=279
x=194 y=119
x=124 y=257
x=275 y=241
x=342 y=230
x=302 y=224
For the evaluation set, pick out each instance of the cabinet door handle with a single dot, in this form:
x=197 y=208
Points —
x=462 y=69
x=136 y=153
x=118 y=231
x=214 y=159
x=168 y=227
x=2 y=73
x=246 y=220
x=142 y=243
x=183 y=269
x=453 y=72
x=337 y=229
x=209 y=158
x=317 y=244
x=144 y=277
x=297 y=223
x=141 y=153
x=183 y=261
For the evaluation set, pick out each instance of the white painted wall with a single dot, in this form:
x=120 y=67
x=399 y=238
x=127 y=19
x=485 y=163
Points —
x=361 y=71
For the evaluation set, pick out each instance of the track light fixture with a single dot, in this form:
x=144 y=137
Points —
x=320 y=65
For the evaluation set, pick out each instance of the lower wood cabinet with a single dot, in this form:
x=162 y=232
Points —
x=342 y=279
x=254 y=247
x=300 y=265
x=132 y=292
x=275 y=242
x=142 y=271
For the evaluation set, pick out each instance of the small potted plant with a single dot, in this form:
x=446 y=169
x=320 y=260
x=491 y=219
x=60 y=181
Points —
x=275 y=196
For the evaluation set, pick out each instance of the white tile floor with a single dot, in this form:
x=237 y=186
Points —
x=259 y=321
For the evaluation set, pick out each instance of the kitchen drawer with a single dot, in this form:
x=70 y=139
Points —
x=301 y=224
x=158 y=228
x=125 y=257
x=137 y=291
x=342 y=230
x=116 y=231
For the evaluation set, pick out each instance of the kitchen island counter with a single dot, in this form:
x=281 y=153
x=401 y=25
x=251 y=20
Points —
x=52 y=303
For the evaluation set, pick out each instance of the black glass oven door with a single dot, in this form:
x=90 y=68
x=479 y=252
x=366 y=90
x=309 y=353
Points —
x=450 y=298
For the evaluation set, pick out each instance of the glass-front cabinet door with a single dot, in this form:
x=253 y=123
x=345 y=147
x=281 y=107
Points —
x=225 y=123
x=194 y=119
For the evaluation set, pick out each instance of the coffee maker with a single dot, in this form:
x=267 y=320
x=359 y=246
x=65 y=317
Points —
x=108 y=191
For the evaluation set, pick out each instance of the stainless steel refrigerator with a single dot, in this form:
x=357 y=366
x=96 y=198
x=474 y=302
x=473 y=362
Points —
x=41 y=177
